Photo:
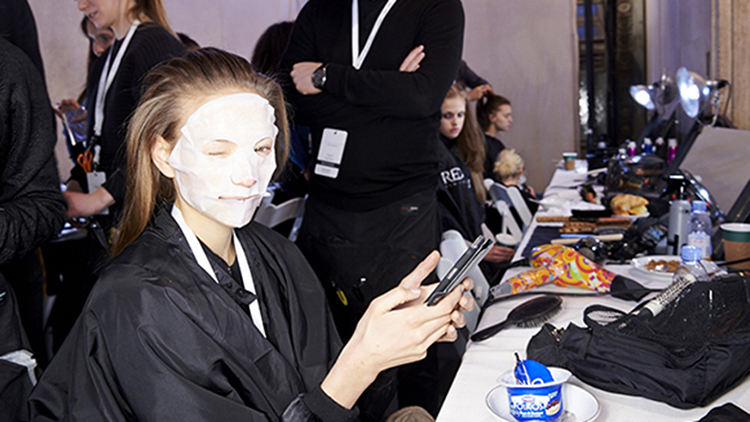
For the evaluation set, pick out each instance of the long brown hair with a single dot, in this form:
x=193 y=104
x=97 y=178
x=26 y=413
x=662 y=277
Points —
x=160 y=112
x=154 y=10
x=488 y=104
x=470 y=143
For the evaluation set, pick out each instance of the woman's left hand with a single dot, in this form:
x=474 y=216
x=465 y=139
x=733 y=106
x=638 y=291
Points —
x=458 y=319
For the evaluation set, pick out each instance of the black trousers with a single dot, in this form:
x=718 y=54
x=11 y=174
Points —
x=25 y=276
x=361 y=255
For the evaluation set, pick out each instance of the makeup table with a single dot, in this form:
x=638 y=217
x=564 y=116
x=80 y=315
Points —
x=484 y=362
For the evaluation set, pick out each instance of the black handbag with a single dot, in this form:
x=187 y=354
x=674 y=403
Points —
x=688 y=355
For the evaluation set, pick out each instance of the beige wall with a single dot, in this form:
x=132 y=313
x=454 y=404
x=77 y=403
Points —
x=526 y=49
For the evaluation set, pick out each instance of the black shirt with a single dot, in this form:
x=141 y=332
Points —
x=232 y=284
x=391 y=117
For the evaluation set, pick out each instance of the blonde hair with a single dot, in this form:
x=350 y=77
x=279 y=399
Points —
x=154 y=10
x=470 y=143
x=168 y=89
x=508 y=163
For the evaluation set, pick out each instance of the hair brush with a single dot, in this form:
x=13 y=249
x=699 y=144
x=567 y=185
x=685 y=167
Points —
x=531 y=313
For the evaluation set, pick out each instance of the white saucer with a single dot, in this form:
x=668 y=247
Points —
x=580 y=405
x=639 y=216
x=641 y=262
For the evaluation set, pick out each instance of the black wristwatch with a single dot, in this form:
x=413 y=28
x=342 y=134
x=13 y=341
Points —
x=319 y=77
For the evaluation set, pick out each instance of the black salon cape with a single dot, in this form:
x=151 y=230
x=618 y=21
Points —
x=458 y=207
x=160 y=340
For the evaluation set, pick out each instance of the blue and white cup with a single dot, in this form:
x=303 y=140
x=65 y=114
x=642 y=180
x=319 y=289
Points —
x=536 y=402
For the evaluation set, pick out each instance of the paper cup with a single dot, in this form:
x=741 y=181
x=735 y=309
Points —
x=569 y=159
x=736 y=243
x=507 y=240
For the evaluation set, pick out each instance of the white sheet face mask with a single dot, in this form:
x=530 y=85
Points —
x=225 y=158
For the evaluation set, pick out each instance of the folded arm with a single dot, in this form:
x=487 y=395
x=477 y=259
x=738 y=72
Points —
x=414 y=90
x=32 y=208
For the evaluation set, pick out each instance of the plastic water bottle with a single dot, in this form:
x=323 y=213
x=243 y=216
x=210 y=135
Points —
x=689 y=271
x=647 y=147
x=679 y=213
x=660 y=148
x=699 y=229
x=631 y=149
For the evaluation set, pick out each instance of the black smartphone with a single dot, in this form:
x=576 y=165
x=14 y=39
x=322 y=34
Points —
x=458 y=271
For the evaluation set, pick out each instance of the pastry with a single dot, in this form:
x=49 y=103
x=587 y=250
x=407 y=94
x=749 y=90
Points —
x=627 y=204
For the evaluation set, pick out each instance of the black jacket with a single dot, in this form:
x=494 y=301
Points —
x=32 y=209
x=160 y=340
x=457 y=200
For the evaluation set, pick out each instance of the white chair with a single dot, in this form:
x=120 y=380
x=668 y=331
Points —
x=519 y=204
x=502 y=202
x=451 y=248
x=271 y=215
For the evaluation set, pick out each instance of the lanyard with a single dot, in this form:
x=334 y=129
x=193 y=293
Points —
x=202 y=259
x=107 y=76
x=357 y=57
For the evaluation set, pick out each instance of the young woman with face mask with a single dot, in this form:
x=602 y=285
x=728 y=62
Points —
x=143 y=39
x=202 y=316
x=461 y=191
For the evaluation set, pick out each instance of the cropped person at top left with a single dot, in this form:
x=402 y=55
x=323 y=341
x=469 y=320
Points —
x=77 y=108
x=143 y=40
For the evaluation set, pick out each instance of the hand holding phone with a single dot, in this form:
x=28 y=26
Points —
x=457 y=273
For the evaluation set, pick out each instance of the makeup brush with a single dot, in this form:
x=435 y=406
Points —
x=531 y=313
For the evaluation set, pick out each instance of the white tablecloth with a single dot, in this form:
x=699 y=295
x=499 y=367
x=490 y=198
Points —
x=484 y=362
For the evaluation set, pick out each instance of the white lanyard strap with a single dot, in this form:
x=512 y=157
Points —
x=107 y=76
x=357 y=57
x=202 y=259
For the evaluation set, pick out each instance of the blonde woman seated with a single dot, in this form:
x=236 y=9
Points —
x=509 y=169
x=203 y=315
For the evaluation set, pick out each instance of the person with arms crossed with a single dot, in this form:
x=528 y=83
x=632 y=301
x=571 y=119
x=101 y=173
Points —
x=368 y=78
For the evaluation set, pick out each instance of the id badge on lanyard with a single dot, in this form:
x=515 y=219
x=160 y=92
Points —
x=359 y=57
x=95 y=179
